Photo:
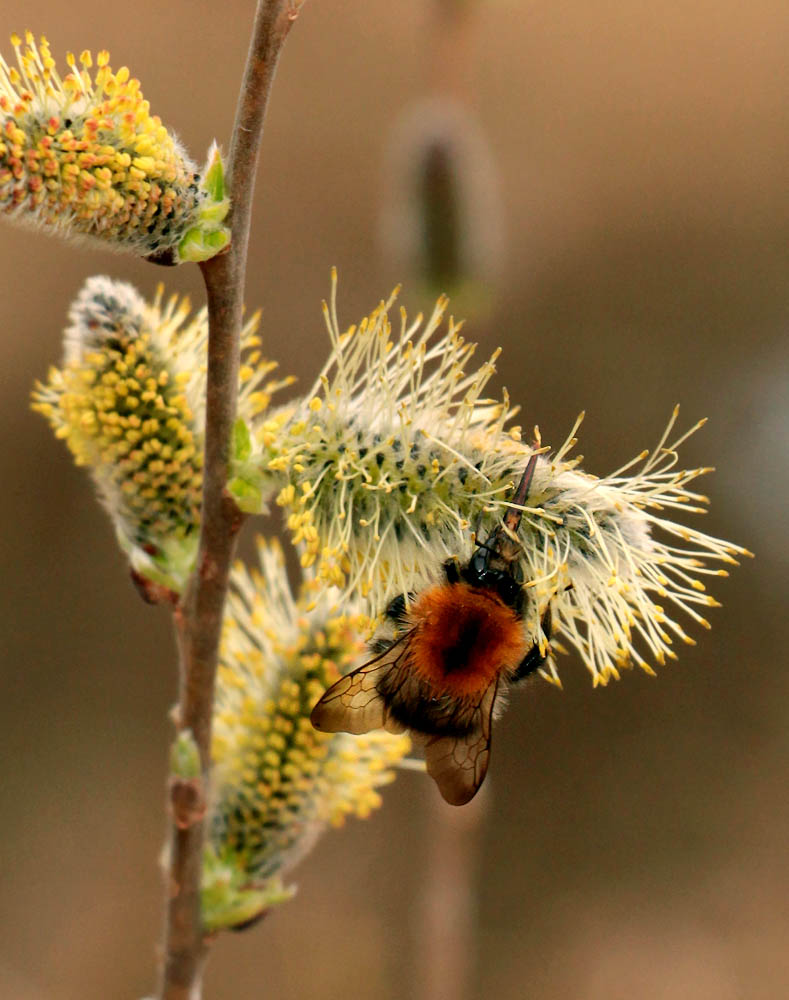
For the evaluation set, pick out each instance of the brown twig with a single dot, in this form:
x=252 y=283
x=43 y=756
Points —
x=199 y=617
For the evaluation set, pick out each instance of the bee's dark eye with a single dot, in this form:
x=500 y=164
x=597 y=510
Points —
x=477 y=572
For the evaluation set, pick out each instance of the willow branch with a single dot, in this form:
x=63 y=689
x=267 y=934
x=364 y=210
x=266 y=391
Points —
x=199 y=617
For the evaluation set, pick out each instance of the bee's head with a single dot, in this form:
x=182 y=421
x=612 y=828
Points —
x=494 y=563
x=490 y=569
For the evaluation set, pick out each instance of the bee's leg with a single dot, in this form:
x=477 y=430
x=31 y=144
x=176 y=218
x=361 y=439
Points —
x=452 y=571
x=380 y=645
x=395 y=610
x=533 y=660
x=396 y=613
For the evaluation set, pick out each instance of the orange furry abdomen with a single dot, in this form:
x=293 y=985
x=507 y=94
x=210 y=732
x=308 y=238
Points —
x=465 y=637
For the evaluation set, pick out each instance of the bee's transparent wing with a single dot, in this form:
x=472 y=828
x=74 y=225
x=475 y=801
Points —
x=353 y=704
x=458 y=764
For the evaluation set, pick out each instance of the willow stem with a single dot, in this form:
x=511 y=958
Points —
x=199 y=616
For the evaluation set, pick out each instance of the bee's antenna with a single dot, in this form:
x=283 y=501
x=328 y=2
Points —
x=478 y=527
x=488 y=548
x=496 y=548
x=512 y=518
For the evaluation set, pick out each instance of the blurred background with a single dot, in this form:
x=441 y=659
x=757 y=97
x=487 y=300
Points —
x=615 y=178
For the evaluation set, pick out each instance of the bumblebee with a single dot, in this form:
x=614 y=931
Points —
x=457 y=647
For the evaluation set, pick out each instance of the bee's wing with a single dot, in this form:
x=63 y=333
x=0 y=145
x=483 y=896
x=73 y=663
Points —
x=353 y=704
x=458 y=764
